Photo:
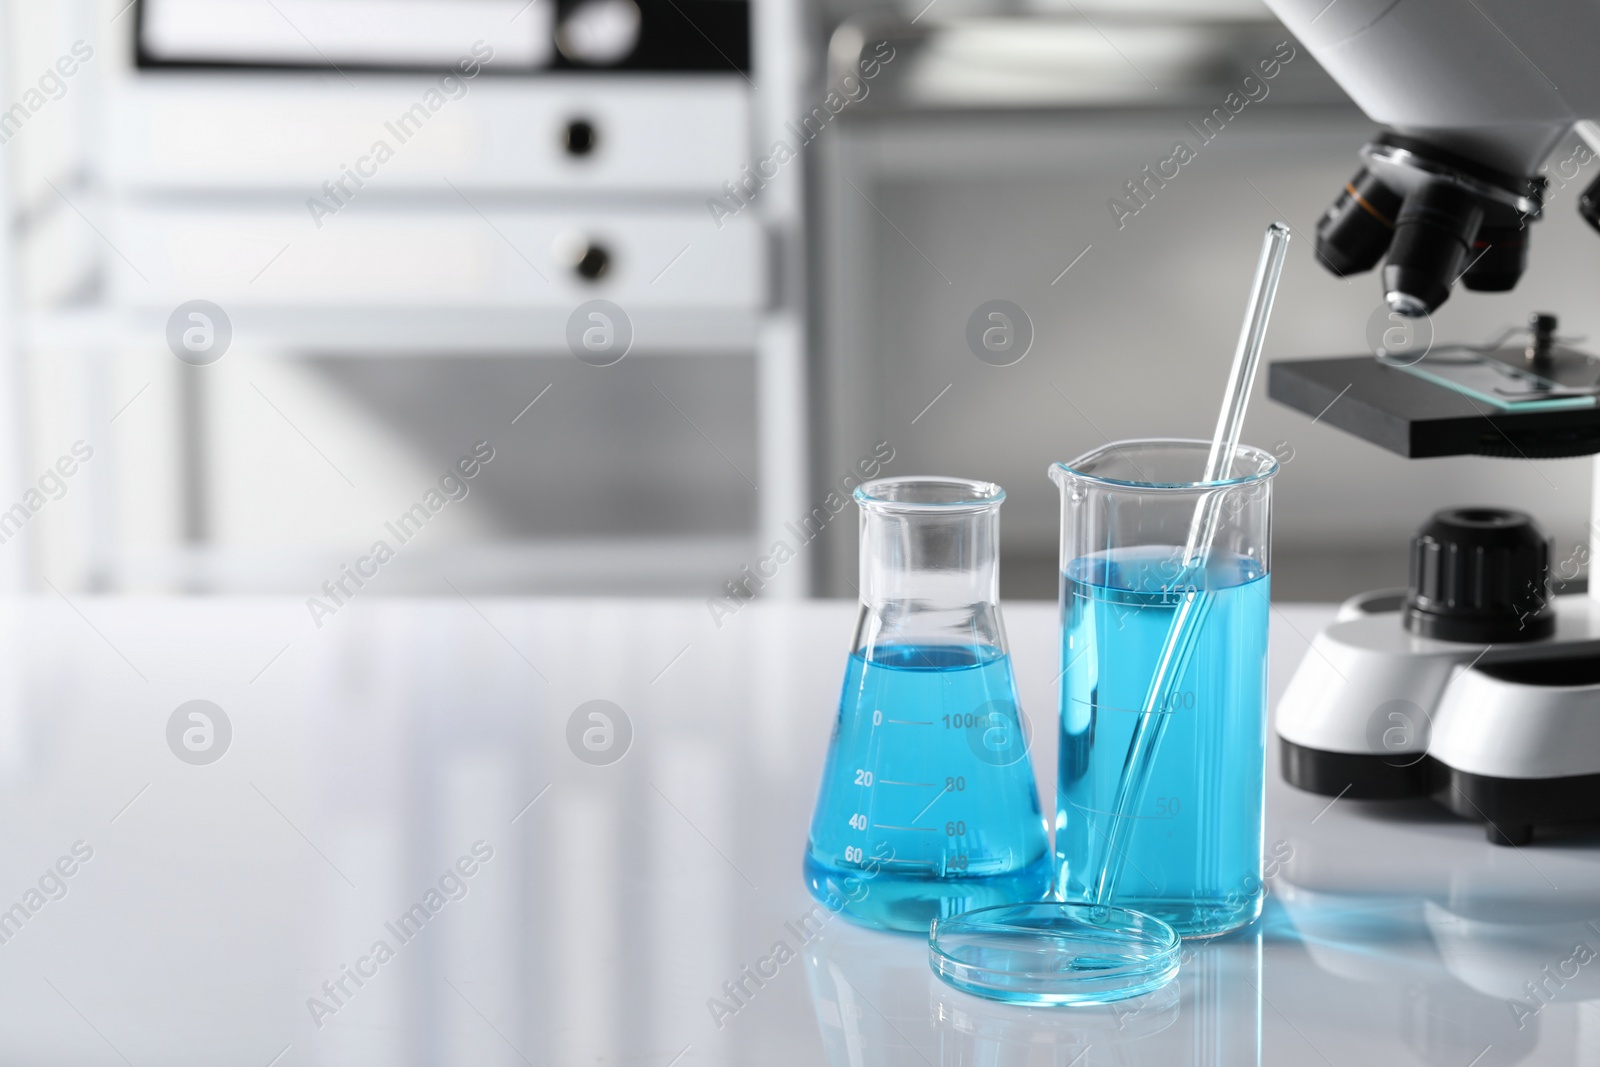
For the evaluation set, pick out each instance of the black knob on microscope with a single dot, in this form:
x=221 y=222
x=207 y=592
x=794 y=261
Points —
x=1480 y=574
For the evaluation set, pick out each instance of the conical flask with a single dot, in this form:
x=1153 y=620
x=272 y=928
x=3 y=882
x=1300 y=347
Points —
x=927 y=806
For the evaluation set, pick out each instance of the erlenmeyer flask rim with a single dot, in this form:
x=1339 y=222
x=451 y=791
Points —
x=1265 y=464
x=947 y=496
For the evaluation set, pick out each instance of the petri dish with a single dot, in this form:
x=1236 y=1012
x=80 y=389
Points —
x=1054 y=953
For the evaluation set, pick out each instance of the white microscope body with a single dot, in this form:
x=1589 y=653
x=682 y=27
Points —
x=1480 y=687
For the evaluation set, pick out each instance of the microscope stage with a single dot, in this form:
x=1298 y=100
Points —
x=1418 y=419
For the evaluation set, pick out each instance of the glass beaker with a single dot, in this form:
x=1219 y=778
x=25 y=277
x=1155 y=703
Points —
x=1186 y=847
x=927 y=806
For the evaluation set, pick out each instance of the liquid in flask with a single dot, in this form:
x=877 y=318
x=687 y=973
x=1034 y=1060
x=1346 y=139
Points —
x=927 y=806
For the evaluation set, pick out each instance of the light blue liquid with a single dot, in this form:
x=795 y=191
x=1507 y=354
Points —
x=1194 y=849
x=928 y=806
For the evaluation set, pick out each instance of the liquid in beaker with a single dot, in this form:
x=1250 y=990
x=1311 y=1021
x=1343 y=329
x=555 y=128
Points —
x=1192 y=849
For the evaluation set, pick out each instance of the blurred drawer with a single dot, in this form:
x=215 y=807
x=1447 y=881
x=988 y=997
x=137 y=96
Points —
x=231 y=132
x=449 y=257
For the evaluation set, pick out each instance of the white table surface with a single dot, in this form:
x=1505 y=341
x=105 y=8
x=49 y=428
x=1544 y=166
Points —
x=369 y=756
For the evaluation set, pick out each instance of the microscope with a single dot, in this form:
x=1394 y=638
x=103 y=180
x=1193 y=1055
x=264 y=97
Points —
x=1479 y=684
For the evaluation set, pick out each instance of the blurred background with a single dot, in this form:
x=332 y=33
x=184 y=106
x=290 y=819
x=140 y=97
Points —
x=279 y=267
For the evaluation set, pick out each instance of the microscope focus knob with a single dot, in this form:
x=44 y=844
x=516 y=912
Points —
x=1481 y=575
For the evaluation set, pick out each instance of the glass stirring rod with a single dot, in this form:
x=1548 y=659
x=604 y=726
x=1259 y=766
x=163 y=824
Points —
x=1189 y=617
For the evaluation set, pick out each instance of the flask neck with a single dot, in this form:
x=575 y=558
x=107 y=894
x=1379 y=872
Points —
x=930 y=577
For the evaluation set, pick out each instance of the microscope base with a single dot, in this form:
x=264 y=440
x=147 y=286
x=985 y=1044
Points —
x=1509 y=808
x=1507 y=735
